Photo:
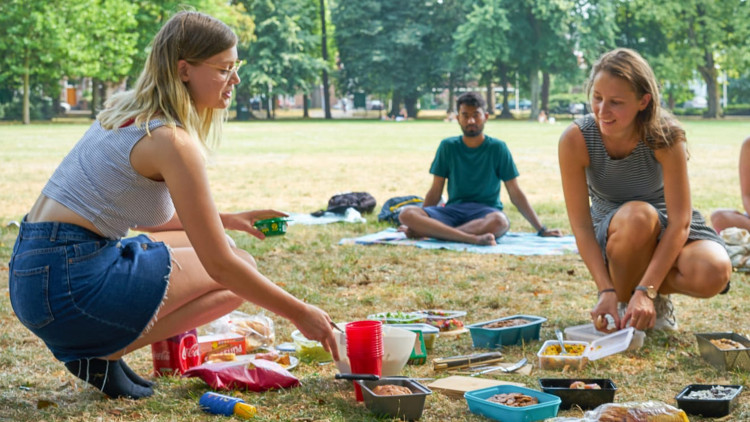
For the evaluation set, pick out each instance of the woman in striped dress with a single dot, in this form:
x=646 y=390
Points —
x=624 y=176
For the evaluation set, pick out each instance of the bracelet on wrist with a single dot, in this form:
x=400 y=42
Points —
x=541 y=230
x=607 y=291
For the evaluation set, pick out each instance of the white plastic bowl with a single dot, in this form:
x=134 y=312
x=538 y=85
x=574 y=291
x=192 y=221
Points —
x=397 y=346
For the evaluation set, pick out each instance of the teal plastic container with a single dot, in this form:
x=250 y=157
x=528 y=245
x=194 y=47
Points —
x=547 y=407
x=492 y=338
x=272 y=226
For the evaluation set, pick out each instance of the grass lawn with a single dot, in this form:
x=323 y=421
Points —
x=296 y=166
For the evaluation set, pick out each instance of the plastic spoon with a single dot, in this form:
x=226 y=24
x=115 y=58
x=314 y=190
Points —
x=559 y=335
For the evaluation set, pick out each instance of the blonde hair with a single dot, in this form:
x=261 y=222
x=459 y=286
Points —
x=655 y=126
x=159 y=91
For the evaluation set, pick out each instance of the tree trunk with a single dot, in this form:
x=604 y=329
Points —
x=451 y=94
x=26 y=95
x=490 y=97
x=94 y=96
x=709 y=73
x=410 y=102
x=505 y=114
x=535 y=88
x=545 y=93
x=324 y=53
x=305 y=110
x=395 y=104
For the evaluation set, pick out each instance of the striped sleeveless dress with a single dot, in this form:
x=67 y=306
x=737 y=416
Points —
x=637 y=177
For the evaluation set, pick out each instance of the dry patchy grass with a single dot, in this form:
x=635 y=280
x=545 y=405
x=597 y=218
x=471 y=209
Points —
x=297 y=166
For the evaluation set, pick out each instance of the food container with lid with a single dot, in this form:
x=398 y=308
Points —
x=404 y=406
x=725 y=359
x=546 y=408
x=527 y=330
x=597 y=349
x=711 y=401
x=444 y=320
x=587 y=332
x=398 y=317
x=585 y=398
x=429 y=333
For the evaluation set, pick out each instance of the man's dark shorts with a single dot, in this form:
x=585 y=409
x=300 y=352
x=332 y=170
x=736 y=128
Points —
x=455 y=215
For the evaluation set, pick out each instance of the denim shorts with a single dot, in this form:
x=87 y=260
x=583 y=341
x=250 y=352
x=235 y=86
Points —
x=455 y=215
x=83 y=294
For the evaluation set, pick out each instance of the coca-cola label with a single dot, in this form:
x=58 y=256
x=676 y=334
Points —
x=175 y=355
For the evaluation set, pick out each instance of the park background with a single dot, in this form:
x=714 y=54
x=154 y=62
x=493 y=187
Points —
x=410 y=55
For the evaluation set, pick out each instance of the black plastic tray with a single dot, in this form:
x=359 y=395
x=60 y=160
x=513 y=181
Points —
x=710 y=408
x=586 y=399
x=407 y=406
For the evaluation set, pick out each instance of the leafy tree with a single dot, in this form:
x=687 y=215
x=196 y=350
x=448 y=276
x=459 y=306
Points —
x=281 y=59
x=33 y=43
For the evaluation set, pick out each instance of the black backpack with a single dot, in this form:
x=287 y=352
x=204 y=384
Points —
x=393 y=207
x=361 y=201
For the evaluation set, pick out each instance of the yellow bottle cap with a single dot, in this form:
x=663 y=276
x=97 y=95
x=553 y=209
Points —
x=244 y=410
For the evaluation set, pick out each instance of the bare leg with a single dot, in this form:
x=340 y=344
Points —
x=702 y=270
x=722 y=219
x=496 y=223
x=631 y=241
x=421 y=224
x=192 y=299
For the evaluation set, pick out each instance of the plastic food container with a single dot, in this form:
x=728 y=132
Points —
x=724 y=359
x=441 y=318
x=272 y=226
x=710 y=408
x=605 y=346
x=546 y=408
x=584 y=398
x=405 y=406
x=398 y=317
x=587 y=332
x=429 y=333
x=310 y=350
x=505 y=336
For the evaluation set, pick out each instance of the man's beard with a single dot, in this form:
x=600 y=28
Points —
x=472 y=133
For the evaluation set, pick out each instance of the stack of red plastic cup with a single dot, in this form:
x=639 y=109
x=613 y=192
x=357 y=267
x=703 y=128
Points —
x=364 y=347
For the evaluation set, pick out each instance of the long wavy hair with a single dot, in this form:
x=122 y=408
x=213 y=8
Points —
x=159 y=91
x=655 y=125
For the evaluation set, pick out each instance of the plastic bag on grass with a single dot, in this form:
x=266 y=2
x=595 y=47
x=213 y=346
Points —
x=246 y=373
x=257 y=329
x=649 y=411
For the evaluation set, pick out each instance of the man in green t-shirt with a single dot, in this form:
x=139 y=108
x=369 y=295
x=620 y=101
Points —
x=474 y=165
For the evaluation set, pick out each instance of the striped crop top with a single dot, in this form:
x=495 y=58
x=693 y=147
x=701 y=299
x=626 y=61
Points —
x=96 y=181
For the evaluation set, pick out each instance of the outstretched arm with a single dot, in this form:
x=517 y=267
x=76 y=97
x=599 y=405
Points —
x=242 y=221
x=518 y=198
x=574 y=158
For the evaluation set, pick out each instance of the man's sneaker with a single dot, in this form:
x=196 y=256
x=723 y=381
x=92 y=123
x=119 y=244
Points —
x=665 y=318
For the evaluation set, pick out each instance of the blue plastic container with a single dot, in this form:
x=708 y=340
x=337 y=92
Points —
x=506 y=336
x=546 y=408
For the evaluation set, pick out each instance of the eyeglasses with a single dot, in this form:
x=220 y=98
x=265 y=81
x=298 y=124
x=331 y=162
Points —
x=227 y=71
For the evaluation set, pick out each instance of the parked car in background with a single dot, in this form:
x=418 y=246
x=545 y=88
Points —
x=376 y=105
x=522 y=105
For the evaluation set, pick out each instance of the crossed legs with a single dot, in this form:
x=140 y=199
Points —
x=482 y=231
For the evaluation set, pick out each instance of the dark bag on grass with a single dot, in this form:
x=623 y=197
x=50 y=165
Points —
x=393 y=207
x=361 y=201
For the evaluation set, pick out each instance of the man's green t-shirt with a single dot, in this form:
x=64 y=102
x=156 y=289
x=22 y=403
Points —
x=474 y=174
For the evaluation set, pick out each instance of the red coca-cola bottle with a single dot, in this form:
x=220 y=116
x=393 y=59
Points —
x=176 y=355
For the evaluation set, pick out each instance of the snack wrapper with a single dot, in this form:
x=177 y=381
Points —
x=257 y=329
x=244 y=374
x=649 y=411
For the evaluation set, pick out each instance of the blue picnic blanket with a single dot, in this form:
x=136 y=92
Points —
x=511 y=243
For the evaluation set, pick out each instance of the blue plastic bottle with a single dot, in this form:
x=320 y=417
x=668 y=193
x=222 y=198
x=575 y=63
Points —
x=220 y=404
